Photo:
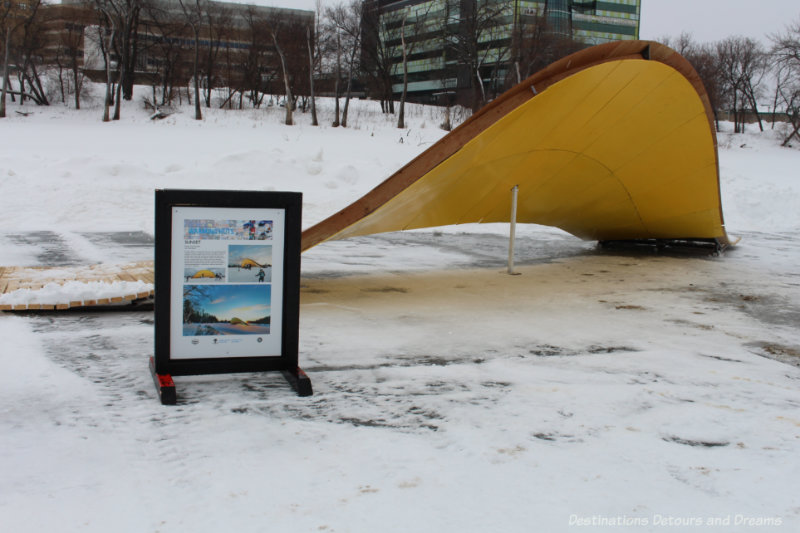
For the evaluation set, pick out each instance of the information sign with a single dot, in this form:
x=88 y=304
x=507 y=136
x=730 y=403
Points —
x=227 y=273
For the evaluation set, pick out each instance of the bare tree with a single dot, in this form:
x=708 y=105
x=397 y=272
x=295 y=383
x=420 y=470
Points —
x=378 y=53
x=20 y=27
x=336 y=17
x=416 y=28
x=786 y=54
x=288 y=99
x=105 y=36
x=338 y=73
x=535 y=45
x=70 y=58
x=166 y=50
x=11 y=20
x=705 y=62
x=401 y=115
x=754 y=68
x=294 y=44
x=346 y=20
x=194 y=17
x=218 y=20
x=24 y=43
x=120 y=19
x=783 y=78
x=256 y=69
x=288 y=37
x=478 y=42
x=742 y=66
x=311 y=70
x=30 y=60
x=129 y=49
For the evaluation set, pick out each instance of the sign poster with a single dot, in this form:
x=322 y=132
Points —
x=227 y=282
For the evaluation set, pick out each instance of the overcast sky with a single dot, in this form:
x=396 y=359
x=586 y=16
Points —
x=713 y=20
x=706 y=20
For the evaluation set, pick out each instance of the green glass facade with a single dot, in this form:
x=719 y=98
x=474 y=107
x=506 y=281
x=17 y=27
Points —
x=601 y=22
x=429 y=25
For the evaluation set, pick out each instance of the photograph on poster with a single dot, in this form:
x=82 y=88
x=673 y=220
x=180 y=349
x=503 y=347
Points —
x=204 y=275
x=226 y=309
x=261 y=230
x=249 y=263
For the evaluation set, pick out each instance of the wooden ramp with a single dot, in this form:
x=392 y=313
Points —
x=35 y=278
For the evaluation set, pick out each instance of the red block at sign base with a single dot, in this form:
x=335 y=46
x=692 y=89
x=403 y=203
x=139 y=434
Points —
x=164 y=385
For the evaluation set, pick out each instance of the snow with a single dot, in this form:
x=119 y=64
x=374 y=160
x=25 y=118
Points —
x=597 y=391
x=74 y=291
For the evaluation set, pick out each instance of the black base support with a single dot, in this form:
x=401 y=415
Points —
x=165 y=387
x=699 y=246
x=299 y=381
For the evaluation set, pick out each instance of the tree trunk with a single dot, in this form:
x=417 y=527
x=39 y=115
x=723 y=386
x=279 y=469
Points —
x=447 y=126
x=5 y=76
x=198 y=115
x=401 y=115
x=61 y=83
x=107 y=55
x=287 y=86
x=754 y=104
x=75 y=79
x=778 y=85
x=311 y=79
x=209 y=74
x=131 y=50
x=349 y=86
x=37 y=90
x=336 y=83
x=482 y=101
x=120 y=82
x=795 y=128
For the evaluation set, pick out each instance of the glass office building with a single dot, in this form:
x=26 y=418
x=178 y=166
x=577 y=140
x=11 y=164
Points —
x=601 y=22
x=430 y=25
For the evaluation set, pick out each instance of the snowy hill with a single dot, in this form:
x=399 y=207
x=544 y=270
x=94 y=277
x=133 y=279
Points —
x=598 y=390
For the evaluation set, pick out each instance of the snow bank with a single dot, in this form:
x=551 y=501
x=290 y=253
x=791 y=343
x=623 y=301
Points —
x=96 y=176
x=760 y=185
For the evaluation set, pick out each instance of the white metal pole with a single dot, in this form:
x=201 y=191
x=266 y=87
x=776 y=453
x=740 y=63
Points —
x=513 y=229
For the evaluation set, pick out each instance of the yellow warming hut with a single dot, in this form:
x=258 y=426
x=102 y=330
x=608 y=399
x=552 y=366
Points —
x=615 y=142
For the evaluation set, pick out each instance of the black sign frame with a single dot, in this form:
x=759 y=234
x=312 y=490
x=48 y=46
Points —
x=163 y=365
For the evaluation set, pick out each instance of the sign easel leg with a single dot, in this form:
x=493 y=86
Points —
x=299 y=381
x=165 y=387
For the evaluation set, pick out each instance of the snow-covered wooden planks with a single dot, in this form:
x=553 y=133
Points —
x=60 y=288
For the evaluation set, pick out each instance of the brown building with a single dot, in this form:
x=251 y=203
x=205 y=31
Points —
x=236 y=42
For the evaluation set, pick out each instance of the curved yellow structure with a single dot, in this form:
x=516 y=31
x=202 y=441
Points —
x=247 y=263
x=203 y=274
x=614 y=142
